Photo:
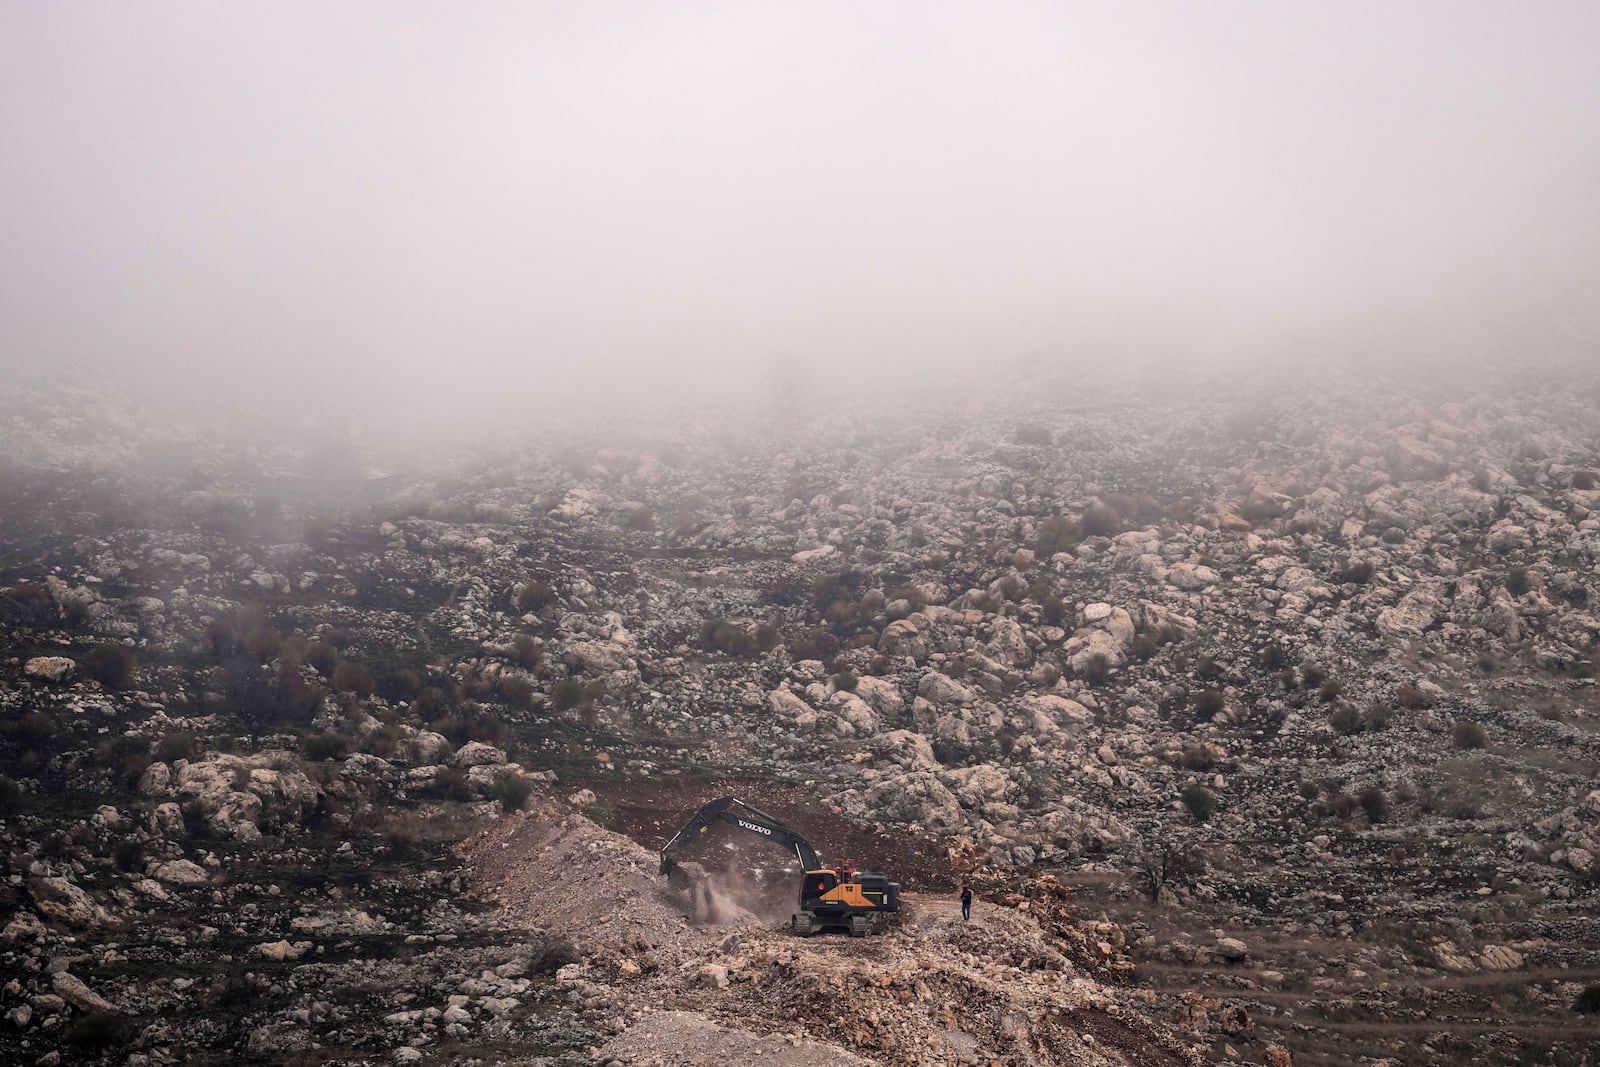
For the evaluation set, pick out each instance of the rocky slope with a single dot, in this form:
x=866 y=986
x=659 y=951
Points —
x=1295 y=688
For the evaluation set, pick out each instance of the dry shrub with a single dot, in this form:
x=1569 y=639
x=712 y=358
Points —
x=1199 y=801
x=1467 y=734
x=767 y=637
x=512 y=792
x=1096 y=669
x=720 y=635
x=323 y=656
x=30 y=730
x=112 y=665
x=1101 y=520
x=535 y=595
x=1517 y=581
x=1208 y=704
x=567 y=693
x=525 y=651
x=451 y=784
x=1358 y=572
x=1345 y=720
x=1056 y=534
x=517 y=689
x=1411 y=698
x=1377 y=716
x=1375 y=802
x=324 y=746
x=352 y=677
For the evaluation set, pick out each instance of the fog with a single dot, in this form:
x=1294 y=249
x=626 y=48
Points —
x=411 y=208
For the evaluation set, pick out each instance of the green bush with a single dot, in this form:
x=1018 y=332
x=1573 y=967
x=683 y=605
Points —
x=1199 y=801
x=512 y=792
x=177 y=745
x=1517 y=581
x=324 y=746
x=567 y=693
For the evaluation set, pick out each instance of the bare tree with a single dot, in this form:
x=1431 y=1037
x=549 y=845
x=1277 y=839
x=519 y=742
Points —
x=1169 y=863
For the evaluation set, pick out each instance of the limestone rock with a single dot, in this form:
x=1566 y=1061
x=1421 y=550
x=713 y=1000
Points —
x=53 y=669
x=278 y=951
x=181 y=873
x=71 y=989
x=478 y=754
x=942 y=689
x=61 y=901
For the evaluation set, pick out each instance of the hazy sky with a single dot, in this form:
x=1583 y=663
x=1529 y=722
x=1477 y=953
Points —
x=477 y=200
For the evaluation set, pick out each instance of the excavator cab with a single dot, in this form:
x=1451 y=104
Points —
x=816 y=885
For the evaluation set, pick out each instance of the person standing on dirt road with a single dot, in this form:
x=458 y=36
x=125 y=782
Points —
x=966 y=902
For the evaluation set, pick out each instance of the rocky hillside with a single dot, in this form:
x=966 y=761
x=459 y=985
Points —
x=1293 y=691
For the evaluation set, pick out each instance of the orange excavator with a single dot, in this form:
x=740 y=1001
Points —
x=830 y=898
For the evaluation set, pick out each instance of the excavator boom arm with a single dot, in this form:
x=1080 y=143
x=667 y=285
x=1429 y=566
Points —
x=746 y=817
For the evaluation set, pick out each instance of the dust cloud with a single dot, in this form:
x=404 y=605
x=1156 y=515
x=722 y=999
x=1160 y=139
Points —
x=725 y=898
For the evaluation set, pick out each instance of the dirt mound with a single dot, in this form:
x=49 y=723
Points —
x=932 y=990
x=552 y=868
